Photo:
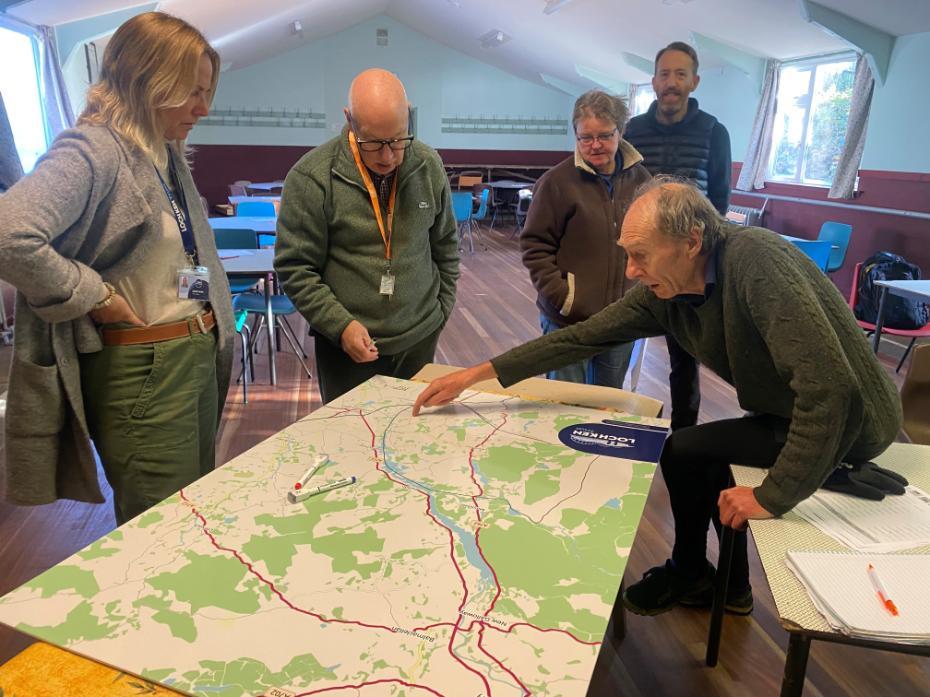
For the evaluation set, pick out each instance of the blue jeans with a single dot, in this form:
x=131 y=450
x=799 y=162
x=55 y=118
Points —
x=607 y=368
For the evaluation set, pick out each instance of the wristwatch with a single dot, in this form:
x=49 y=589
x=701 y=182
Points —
x=111 y=293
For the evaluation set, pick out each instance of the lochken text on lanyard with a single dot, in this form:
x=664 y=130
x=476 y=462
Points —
x=386 y=233
x=181 y=213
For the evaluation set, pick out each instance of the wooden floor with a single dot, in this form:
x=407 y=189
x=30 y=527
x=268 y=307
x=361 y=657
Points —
x=660 y=656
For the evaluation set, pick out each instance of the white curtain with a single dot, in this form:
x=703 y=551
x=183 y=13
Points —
x=59 y=115
x=756 y=162
x=844 y=180
x=11 y=169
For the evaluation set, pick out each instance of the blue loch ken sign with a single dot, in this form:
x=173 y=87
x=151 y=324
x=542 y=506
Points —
x=616 y=439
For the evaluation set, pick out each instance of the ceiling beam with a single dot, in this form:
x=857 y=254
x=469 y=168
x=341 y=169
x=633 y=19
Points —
x=752 y=66
x=72 y=36
x=603 y=80
x=876 y=44
x=643 y=65
x=569 y=88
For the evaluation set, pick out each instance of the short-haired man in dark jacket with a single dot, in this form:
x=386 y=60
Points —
x=569 y=239
x=676 y=137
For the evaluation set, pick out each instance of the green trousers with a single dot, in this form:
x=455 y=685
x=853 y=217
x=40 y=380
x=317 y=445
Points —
x=152 y=414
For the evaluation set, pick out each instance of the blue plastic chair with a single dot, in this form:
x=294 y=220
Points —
x=480 y=215
x=281 y=306
x=483 y=202
x=461 y=208
x=248 y=368
x=838 y=235
x=238 y=238
x=257 y=209
x=818 y=250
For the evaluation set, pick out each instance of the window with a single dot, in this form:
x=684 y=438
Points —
x=641 y=97
x=810 y=120
x=20 y=90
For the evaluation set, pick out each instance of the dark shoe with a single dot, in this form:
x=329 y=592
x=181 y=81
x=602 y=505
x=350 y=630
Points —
x=662 y=588
x=739 y=602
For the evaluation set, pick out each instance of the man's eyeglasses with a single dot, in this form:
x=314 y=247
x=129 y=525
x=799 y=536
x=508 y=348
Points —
x=376 y=145
x=600 y=138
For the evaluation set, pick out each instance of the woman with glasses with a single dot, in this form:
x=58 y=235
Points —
x=367 y=247
x=123 y=313
x=570 y=237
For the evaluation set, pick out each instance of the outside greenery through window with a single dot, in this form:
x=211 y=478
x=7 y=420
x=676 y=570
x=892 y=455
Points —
x=810 y=121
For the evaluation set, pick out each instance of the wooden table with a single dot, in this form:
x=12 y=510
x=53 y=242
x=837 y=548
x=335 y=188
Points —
x=796 y=612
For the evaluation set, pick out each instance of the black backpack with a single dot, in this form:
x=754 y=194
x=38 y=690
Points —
x=900 y=313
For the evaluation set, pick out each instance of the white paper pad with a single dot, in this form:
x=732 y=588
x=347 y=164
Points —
x=893 y=524
x=839 y=586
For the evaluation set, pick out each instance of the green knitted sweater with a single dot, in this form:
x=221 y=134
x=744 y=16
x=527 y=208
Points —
x=776 y=328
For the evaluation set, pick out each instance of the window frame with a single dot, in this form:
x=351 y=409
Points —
x=35 y=40
x=810 y=62
x=635 y=89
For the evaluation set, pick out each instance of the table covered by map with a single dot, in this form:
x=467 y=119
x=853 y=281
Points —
x=475 y=554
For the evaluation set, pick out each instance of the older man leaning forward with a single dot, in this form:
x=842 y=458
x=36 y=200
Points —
x=762 y=316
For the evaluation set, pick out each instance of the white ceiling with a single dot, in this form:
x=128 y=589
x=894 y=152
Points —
x=586 y=34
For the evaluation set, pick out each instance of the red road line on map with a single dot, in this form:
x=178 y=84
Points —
x=540 y=629
x=437 y=624
x=367 y=684
x=429 y=513
x=526 y=692
x=270 y=584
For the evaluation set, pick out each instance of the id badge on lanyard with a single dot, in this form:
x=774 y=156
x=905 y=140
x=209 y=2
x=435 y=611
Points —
x=387 y=278
x=193 y=279
x=194 y=283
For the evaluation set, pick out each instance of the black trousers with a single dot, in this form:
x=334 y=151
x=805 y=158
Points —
x=684 y=384
x=338 y=373
x=695 y=464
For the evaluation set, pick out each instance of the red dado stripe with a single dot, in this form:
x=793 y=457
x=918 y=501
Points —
x=216 y=166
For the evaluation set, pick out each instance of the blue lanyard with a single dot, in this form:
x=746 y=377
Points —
x=181 y=215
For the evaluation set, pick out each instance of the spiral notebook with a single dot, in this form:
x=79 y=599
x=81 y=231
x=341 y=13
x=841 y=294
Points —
x=842 y=591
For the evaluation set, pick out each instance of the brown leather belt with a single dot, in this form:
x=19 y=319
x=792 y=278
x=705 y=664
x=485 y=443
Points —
x=199 y=324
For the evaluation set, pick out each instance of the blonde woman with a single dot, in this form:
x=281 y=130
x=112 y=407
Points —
x=108 y=246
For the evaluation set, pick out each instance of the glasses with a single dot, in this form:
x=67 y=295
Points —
x=600 y=138
x=376 y=145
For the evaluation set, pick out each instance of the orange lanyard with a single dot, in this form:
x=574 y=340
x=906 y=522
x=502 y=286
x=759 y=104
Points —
x=373 y=195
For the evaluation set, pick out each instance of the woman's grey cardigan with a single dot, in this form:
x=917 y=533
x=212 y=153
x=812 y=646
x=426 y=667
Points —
x=89 y=212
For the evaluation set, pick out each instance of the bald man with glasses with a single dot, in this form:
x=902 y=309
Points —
x=367 y=247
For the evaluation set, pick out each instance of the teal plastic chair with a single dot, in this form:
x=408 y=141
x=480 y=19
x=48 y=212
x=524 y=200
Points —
x=238 y=238
x=837 y=234
x=256 y=209
x=480 y=215
x=248 y=369
x=461 y=208
x=818 y=250
x=483 y=202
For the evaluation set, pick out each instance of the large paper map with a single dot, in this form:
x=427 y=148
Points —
x=475 y=555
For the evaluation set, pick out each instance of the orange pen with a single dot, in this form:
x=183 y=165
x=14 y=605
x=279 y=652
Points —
x=880 y=590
